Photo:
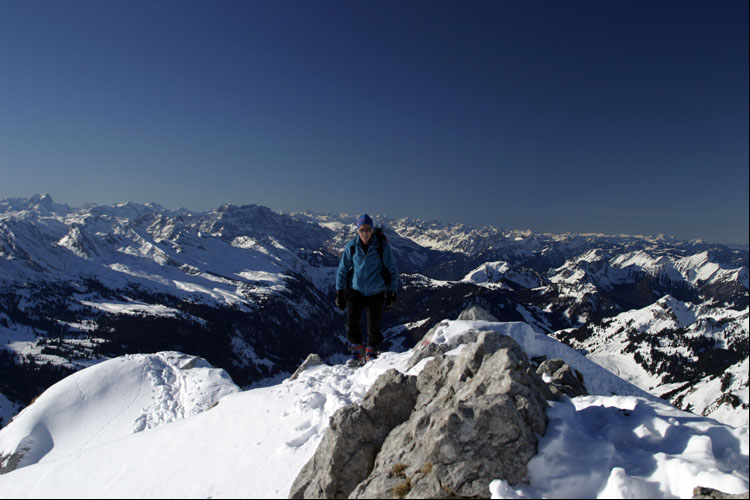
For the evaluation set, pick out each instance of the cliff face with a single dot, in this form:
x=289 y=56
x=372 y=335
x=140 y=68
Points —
x=464 y=421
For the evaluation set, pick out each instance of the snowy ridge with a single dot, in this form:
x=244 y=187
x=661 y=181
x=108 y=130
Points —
x=494 y=272
x=253 y=443
x=699 y=268
x=110 y=401
x=607 y=270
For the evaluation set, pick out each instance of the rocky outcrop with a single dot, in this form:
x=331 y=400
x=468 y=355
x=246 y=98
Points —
x=311 y=360
x=562 y=380
x=703 y=492
x=347 y=452
x=476 y=313
x=464 y=421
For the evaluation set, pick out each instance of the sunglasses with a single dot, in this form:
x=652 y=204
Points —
x=364 y=229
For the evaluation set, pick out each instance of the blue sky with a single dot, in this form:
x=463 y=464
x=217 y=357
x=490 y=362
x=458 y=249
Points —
x=583 y=116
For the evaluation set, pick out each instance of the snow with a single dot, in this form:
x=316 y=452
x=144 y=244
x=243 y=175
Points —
x=111 y=400
x=628 y=447
x=133 y=427
x=133 y=307
x=699 y=268
x=490 y=273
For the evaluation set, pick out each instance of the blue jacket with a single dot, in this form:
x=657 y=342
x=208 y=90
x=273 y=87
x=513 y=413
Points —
x=367 y=279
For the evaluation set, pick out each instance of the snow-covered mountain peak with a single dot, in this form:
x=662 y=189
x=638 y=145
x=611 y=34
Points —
x=667 y=313
x=78 y=242
x=701 y=268
x=592 y=256
x=42 y=202
x=38 y=205
x=494 y=272
x=125 y=211
x=490 y=272
x=640 y=258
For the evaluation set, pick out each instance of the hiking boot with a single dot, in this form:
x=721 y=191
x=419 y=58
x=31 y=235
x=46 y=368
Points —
x=371 y=354
x=356 y=358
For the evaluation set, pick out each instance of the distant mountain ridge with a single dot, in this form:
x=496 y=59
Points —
x=251 y=291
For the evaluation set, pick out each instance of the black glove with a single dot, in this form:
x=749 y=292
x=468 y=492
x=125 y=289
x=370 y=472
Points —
x=390 y=300
x=341 y=299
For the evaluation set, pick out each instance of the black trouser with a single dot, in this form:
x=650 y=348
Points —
x=355 y=303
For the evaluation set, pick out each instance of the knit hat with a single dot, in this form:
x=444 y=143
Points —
x=365 y=219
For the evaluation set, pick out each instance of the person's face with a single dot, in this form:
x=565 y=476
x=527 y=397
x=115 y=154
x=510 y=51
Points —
x=365 y=233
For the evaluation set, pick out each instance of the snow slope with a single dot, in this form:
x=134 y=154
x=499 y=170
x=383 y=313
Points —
x=110 y=401
x=253 y=443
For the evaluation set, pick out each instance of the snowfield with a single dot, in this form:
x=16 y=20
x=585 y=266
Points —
x=138 y=426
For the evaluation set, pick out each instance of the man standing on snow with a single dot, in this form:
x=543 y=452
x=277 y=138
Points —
x=367 y=278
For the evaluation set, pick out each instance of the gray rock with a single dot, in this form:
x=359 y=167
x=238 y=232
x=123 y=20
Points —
x=703 y=492
x=476 y=313
x=465 y=421
x=564 y=380
x=427 y=348
x=346 y=453
x=310 y=360
x=10 y=462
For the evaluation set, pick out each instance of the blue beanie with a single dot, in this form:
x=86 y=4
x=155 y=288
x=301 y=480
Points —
x=365 y=219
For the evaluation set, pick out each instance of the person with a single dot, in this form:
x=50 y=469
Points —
x=367 y=279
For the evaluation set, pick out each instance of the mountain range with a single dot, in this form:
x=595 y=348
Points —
x=251 y=291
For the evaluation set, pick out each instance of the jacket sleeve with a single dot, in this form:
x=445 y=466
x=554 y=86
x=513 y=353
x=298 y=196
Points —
x=344 y=265
x=389 y=262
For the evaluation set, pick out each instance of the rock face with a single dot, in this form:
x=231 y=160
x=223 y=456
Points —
x=702 y=492
x=476 y=313
x=312 y=359
x=464 y=421
x=563 y=380
x=346 y=454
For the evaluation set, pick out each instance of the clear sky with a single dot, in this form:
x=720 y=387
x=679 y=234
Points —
x=583 y=116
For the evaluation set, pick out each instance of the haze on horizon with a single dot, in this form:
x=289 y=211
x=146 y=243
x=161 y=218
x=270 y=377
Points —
x=606 y=117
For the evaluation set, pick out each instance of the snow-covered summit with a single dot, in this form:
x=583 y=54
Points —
x=42 y=204
x=616 y=442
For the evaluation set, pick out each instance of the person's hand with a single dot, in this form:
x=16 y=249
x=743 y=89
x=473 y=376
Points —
x=341 y=299
x=390 y=300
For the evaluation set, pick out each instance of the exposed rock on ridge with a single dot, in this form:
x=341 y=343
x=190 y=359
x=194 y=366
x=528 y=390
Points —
x=464 y=421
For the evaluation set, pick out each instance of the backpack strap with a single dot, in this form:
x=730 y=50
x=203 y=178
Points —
x=384 y=272
x=350 y=272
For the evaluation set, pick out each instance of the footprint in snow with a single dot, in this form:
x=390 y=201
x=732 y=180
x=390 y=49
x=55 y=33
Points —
x=314 y=401
x=302 y=439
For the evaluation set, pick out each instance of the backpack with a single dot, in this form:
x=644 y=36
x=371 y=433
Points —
x=384 y=272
